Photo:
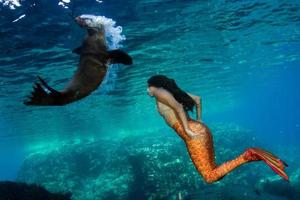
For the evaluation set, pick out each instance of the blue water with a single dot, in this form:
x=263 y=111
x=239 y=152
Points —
x=241 y=57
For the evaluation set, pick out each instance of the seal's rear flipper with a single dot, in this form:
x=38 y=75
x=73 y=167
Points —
x=43 y=94
x=119 y=56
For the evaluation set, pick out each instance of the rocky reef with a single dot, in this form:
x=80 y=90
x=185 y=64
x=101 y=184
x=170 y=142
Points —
x=22 y=191
x=153 y=166
x=275 y=186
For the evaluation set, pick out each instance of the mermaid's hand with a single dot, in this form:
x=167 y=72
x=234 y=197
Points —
x=192 y=134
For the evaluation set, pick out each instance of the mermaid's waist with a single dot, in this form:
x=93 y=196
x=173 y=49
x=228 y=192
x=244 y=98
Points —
x=178 y=127
x=195 y=126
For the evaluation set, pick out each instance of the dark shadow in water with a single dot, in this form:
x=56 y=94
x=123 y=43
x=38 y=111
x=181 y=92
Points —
x=18 y=191
x=138 y=186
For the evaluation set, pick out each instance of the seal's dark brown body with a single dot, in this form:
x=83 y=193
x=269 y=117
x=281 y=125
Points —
x=92 y=68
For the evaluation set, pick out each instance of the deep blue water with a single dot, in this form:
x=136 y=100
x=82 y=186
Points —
x=241 y=57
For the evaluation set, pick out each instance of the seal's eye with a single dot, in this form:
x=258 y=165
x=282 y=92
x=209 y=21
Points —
x=87 y=20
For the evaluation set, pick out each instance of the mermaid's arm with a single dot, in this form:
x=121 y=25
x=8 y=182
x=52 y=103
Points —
x=197 y=100
x=166 y=98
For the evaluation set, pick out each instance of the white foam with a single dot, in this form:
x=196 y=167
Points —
x=64 y=3
x=113 y=33
x=22 y=16
x=12 y=4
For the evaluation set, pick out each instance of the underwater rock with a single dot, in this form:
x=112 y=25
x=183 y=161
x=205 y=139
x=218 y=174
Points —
x=85 y=169
x=154 y=166
x=22 y=191
x=276 y=187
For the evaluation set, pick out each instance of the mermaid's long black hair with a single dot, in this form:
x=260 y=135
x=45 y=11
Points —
x=161 y=81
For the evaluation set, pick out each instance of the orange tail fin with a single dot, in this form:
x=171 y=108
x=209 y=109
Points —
x=272 y=161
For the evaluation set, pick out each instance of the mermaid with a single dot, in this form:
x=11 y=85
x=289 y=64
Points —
x=173 y=105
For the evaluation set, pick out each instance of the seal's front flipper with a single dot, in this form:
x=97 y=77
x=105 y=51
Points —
x=43 y=94
x=119 y=56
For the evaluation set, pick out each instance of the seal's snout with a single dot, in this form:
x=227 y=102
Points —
x=80 y=21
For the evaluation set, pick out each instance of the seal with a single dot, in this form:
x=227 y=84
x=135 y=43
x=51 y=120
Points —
x=93 y=64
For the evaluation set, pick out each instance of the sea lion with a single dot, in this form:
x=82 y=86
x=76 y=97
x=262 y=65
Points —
x=94 y=60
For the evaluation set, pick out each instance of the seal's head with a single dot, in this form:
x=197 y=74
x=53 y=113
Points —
x=91 y=22
x=102 y=26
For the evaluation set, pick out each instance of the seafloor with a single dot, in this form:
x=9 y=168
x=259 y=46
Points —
x=156 y=166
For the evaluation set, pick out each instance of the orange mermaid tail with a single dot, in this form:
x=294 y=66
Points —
x=202 y=154
x=275 y=163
